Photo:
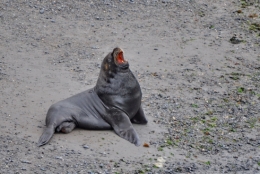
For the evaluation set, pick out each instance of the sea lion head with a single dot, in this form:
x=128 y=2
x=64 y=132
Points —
x=115 y=62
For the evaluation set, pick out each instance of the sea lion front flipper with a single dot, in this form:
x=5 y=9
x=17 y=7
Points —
x=122 y=126
x=46 y=136
x=139 y=117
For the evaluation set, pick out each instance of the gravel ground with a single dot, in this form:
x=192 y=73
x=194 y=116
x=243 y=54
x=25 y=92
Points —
x=198 y=64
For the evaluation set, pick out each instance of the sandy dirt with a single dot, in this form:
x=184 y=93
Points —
x=198 y=64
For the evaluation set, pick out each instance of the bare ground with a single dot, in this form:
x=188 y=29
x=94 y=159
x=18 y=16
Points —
x=198 y=64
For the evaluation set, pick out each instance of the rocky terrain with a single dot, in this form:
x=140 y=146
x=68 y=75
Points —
x=198 y=64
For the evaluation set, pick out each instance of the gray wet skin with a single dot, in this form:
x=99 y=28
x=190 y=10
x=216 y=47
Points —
x=114 y=103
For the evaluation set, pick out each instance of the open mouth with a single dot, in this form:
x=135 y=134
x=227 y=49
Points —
x=119 y=58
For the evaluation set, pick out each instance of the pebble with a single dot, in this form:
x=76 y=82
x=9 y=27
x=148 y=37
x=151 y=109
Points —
x=59 y=157
x=42 y=11
x=25 y=161
x=85 y=147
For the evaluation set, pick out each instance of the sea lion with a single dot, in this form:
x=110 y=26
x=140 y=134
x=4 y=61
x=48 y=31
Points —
x=114 y=103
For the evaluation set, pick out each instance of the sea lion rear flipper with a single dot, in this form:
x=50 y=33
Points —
x=66 y=127
x=46 y=136
x=139 y=117
x=123 y=126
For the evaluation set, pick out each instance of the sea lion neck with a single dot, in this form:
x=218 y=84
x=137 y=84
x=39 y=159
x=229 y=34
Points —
x=116 y=84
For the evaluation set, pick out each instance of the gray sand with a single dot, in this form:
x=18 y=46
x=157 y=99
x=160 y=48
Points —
x=201 y=91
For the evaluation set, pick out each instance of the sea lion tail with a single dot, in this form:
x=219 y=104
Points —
x=46 y=136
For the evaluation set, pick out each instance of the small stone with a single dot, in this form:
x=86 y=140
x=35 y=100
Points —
x=146 y=145
x=161 y=160
x=59 y=157
x=25 y=161
x=42 y=168
x=42 y=11
x=159 y=165
x=85 y=146
x=235 y=40
x=166 y=1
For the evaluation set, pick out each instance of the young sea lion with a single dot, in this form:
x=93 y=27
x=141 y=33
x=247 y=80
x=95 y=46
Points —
x=114 y=103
